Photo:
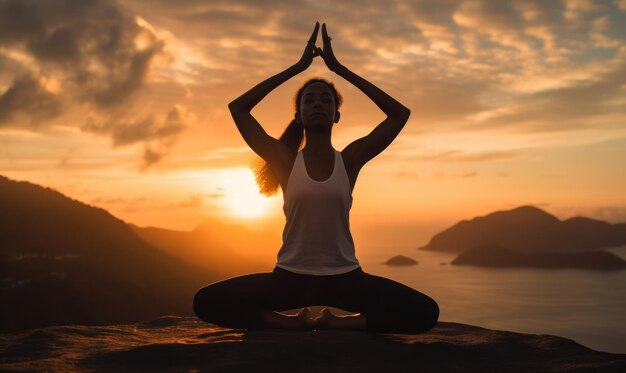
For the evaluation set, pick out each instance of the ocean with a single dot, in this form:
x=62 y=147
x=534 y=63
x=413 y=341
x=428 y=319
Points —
x=584 y=305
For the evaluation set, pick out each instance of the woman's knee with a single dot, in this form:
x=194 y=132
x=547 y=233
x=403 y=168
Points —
x=197 y=303
x=431 y=313
x=220 y=300
x=424 y=315
x=202 y=303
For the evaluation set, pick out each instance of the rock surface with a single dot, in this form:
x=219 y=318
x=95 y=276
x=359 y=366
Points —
x=173 y=343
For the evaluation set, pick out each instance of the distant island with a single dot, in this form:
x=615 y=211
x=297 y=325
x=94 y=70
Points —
x=528 y=229
x=501 y=257
x=401 y=261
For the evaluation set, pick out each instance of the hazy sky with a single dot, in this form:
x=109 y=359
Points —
x=123 y=105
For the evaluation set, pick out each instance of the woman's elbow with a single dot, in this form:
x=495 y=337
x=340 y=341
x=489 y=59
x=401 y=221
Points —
x=403 y=114
x=406 y=113
x=233 y=107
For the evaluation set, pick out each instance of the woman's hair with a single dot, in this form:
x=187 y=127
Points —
x=293 y=137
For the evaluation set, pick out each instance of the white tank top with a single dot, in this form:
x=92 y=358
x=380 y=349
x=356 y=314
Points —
x=317 y=238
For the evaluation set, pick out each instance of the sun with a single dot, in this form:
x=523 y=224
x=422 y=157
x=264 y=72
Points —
x=241 y=194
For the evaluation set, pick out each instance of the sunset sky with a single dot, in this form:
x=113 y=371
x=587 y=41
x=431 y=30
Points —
x=123 y=105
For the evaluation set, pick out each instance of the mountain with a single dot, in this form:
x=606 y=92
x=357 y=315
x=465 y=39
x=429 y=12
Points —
x=63 y=261
x=501 y=257
x=258 y=244
x=528 y=229
x=204 y=248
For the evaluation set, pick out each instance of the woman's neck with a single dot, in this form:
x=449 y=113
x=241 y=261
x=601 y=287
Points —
x=318 y=143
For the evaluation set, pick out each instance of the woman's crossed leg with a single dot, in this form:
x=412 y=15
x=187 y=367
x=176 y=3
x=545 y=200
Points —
x=249 y=302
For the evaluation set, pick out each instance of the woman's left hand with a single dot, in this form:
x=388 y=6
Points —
x=327 y=53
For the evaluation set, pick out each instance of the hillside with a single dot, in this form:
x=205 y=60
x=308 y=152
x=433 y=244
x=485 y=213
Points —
x=63 y=261
x=204 y=248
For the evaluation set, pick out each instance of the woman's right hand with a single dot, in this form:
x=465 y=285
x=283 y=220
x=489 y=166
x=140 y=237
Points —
x=310 y=51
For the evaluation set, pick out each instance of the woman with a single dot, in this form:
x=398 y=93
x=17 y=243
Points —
x=316 y=263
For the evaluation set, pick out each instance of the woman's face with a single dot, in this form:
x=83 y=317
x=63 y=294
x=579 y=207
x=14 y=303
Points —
x=317 y=107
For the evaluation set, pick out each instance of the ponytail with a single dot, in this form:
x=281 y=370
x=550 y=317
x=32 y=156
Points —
x=266 y=179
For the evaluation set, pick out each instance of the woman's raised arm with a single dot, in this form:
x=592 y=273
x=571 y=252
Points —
x=366 y=148
x=253 y=133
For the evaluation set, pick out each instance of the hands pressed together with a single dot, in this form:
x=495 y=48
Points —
x=311 y=51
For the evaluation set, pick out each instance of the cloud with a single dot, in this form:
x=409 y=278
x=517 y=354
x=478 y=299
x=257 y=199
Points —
x=28 y=96
x=406 y=175
x=153 y=155
x=458 y=64
x=123 y=204
x=538 y=204
x=438 y=175
x=123 y=85
x=98 y=55
x=436 y=98
x=487 y=15
x=456 y=58
x=10 y=69
x=126 y=131
x=102 y=52
x=566 y=108
x=440 y=12
x=459 y=156
x=576 y=9
x=107 y=201
x=148 y=130
x=193 y=201
x=157 y=136
x=611 y=214
x=19 y=22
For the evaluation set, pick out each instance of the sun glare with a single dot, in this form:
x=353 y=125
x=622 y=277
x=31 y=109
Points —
x=241 y=194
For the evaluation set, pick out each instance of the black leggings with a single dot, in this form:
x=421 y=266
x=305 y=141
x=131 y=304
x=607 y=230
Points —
x=389 y=306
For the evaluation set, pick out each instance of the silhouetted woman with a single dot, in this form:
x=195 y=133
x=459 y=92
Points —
x=316 y=263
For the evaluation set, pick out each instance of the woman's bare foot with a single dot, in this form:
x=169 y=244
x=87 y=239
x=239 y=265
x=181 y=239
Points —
x=328 y=320
x=305 y=319
x=301 y=321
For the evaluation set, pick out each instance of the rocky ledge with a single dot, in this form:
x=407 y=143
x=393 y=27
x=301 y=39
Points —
x=173 y=343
